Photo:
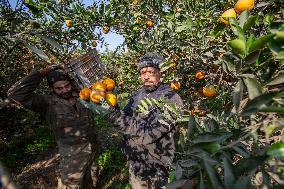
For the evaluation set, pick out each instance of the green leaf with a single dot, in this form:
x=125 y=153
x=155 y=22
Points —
x=251 y=58
x=227 y=66
x=211 y=147
x=149 y=101
x=274 y=46
x=249 y=164
x=280 y=55
x=241 y=151
x=211 y=137
x=238 y=94
x=260 y=43
x=275 y=109
x=229 y=175
x=253 y=87
x=51 y=42
x=212 y=175
x=242 y=182
x=279 y=79
x=102 y=8
x=237 y=30
x=39 y=52
x=191 y=124
x=238 y=46
x=243 y=17
x=249 y=23
x=257 y=103
x=276 y=150
x=201 y=182
x=250 y=41
x=144 y=104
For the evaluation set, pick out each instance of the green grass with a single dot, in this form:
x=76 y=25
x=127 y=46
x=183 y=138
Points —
x=25 y=145
x=113 y=169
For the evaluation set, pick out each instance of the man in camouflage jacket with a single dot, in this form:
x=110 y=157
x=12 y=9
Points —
x=70 y=121
x=149 y=144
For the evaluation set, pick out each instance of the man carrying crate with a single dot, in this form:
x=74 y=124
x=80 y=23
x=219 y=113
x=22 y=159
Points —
x=70 y=121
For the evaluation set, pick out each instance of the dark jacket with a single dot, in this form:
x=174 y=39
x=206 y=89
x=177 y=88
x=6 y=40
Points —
x=149 y=145
x=70 y=124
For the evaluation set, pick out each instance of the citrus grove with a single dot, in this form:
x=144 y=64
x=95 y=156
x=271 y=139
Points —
x=225 y=59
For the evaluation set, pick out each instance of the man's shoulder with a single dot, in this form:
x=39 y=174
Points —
x=168 y=93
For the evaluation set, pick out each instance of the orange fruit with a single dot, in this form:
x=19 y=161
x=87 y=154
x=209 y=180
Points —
x=99 y=86
x=228 y=14
x=111 y=99
x=149 y=24
x=209 y=91
x=243 y=5
x=138 y=20
x=175 y=85
x=200 y=75
x=96 y=97
x=106 y=29
x=174 y=57
x=110 y=84
x=94 y=44
x=85 y=93
x=68 y=23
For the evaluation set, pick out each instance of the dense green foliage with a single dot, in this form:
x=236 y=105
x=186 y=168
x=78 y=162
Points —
x=237 y=142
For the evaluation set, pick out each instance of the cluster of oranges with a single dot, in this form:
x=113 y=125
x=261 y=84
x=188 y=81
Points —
x=100 y=90
x=240 y=6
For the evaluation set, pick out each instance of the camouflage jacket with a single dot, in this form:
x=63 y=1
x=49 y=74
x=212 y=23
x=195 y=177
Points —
x=149 y=145
x=70 y=124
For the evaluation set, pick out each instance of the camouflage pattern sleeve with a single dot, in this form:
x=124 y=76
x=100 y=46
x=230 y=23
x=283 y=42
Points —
x=22 y=93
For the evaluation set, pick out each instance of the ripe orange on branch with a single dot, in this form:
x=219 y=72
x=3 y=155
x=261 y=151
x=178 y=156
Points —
x=85 y=93
x=94 y=44
x=243 y=5
x=106 y=29
x=175 y=85
x=228 y=14
x=68 y=23
x=110 y=84
x=209 y=91
x=149 y=24
x=200 y=75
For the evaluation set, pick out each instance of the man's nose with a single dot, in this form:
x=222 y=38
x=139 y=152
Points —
x=146 y=76
x=65 y=90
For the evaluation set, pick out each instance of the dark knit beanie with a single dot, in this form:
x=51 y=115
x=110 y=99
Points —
x=56 y=75
x=150 y=60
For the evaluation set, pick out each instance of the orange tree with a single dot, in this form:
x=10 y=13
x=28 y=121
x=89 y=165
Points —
x=231 y=76
x=231 y=81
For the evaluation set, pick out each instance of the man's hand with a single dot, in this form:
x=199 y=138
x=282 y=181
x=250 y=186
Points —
x=45 y=71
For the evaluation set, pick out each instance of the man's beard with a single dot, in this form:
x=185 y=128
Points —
x=150 y=88
x=65 y=95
